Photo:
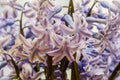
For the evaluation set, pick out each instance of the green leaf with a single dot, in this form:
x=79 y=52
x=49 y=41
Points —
x=115 y=73
x=63 y=68
x=89 y=13
x=49 y=69
x=75 y=74
x=71 y=8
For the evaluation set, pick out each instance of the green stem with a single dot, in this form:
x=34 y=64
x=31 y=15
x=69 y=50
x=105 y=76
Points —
x=37 y=67
x=71 y=8
x=49 y=69
x=15 y=66
x=75 y=73
x=63 y=68
x=65 y=62
x=21 y=19
x=115 y=72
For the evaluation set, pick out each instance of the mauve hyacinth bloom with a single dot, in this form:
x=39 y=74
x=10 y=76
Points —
x=40 y=38
x=35 y=51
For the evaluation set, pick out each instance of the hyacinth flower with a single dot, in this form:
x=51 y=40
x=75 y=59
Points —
x=107 y=37
x=35 y=51
x=79 y=27
x=61 y=43
x=96 y=67
x=44 y=32
x=41 y=7
x=65 y=47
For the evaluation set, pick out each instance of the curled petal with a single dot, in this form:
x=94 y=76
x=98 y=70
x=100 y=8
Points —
x=16 y=6
x=33 y=57
x=69 y=20
x=37 y=31
x=25 y=42
x=69 y=55
x=66 y=29
x=29 y=13
x=57 y=58
x=55 y=52
x=40 y=57
x=15 y=14
x=37 y=75
x=56 y=10
x=5 y=41
x=44 y=49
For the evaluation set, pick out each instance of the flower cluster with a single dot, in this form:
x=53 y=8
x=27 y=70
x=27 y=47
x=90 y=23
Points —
x=84 y=40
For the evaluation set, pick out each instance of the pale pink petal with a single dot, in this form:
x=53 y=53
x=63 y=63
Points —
x=58 y=58
x=25 y=42
x=36 y=75
x=55 y=52
x=45 y=49
x=69 y=56
x=4 y=41
x=32 y=57
x=37 y=31
x=40 y=57
x=66 y=29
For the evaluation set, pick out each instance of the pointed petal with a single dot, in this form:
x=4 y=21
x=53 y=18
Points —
x=40 y=57
x=25 y=42
x=22 y=55
x=66 y=29
x=58 y=58
x=56 y=39
x=69 y=56
x=32 y=57
x=55 y=52
x=4 y=41
x=45 y=49
x=37 y=30
x=37 y=75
